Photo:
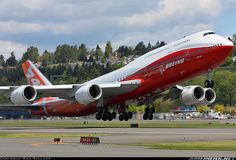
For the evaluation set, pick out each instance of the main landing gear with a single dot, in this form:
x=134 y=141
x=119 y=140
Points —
x=105 y=115
x=148 y=112
x=123 y=114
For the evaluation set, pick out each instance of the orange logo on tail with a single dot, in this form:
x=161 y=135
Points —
x=31 y=75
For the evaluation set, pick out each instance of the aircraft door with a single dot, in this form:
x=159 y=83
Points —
x=187 y=55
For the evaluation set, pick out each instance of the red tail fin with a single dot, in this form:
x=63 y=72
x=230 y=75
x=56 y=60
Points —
x=33 y=75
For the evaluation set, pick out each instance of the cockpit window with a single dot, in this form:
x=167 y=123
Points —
x=205 y=34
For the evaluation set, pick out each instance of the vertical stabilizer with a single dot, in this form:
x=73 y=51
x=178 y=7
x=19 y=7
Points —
x=33 y=75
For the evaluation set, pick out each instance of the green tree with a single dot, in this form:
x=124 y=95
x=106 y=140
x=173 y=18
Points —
x=46 y=58
x=203 y=109
x=4 y=99
x=132 y=108
x=224 y=81
x=4 y=81
x=140 y=49
x=11 y=61
x=234 y=49
x=218 y=108
x=141 y=108
x=125 y=51
x=98 y=53
x=31 y=54
x=82 y=53
x=108 y=50
x=149 y=47
x=76 y=71
x=229 y=61
x=162 y=106
x=159 y=44
x=2 y=60
x=116 y=66
x=65 y=54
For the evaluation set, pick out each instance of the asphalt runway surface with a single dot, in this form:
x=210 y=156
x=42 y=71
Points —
x=114 y=144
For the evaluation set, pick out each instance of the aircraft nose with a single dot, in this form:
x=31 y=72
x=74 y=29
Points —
x=228 y=42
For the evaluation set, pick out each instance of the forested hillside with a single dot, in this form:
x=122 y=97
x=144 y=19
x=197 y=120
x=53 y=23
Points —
x=76 y=64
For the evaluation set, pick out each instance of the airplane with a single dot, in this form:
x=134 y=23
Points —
x=145 y=77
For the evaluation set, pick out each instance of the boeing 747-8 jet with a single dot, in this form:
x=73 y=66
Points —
x=146 y=76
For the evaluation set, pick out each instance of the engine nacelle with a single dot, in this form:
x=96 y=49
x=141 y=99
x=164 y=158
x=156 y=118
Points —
x=23 y=95
x=192 y=95
x=210 y=97
x=88 y=94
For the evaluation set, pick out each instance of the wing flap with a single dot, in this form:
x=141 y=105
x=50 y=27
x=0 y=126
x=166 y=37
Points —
x=62 y=91
x=118 y=88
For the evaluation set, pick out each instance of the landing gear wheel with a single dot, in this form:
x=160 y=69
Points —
x=105 y=115
x=104 y=118
x=209 y=83
x=121 y=117
x=113 y=115
x=98 y=116
x=212 y=84
x=145 y=116
x=150 y=117
x=109 y=117
x=152 y=110
x=130 y=115
x=147 y=110
x=126 y=118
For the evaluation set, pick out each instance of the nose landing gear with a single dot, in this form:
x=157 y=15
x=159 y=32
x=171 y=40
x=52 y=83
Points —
x=209 y=83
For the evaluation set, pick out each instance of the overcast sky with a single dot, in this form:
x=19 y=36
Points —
x=48 y=23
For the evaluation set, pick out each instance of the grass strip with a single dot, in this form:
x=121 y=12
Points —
x=213 y=146
x=117 y=124
x=45 y=135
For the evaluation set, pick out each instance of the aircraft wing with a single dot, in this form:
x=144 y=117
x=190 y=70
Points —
x=6 y=89
x=63 y=91
x=173 y=92
x=108 y=89
x=25 y=106
x=68 y=91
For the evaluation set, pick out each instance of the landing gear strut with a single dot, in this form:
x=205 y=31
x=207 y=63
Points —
x=209 y=83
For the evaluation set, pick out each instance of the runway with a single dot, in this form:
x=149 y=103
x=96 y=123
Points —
x=114 y=144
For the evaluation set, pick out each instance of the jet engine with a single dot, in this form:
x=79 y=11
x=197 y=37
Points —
x=88 y=94
x=23 y=95
x=192 y=95
x=210 y=97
